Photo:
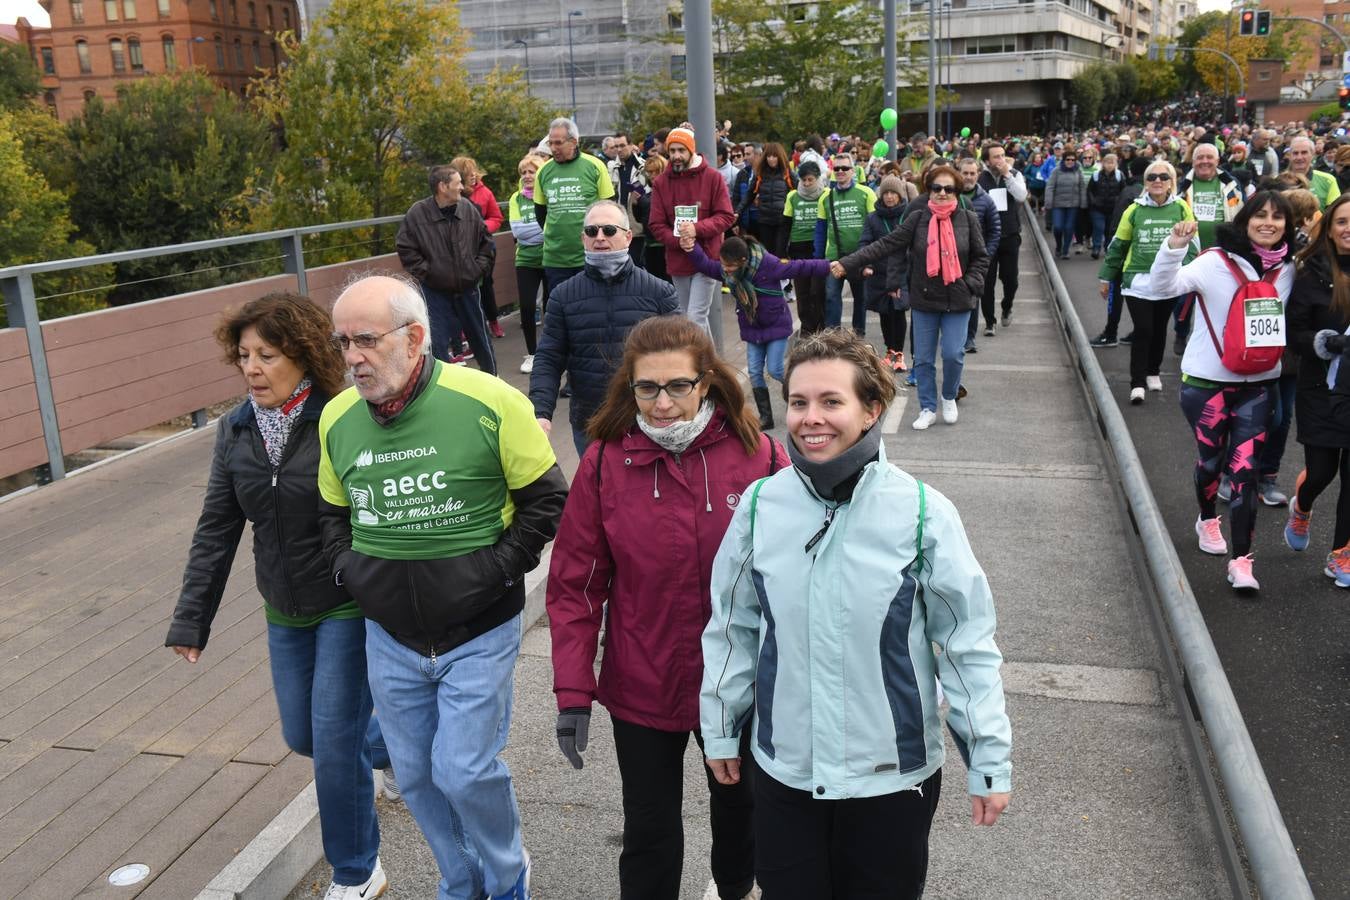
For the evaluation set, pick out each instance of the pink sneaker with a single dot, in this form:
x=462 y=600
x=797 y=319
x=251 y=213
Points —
x=1211 y=536
x=1240 y=574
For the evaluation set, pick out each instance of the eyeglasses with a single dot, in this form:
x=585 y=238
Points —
x=364 y=341
x=942 y=189
x=610 y=230
x=676 y=389
x=843 y=168
x=1157 y=176
x=738 y=156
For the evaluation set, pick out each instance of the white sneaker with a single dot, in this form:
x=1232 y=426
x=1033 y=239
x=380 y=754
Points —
x=926 y=417
x=1154 y=383
x=392 y=792
x=528 y=365
x=1136 y=396
x=374 y=886
x=949 y=411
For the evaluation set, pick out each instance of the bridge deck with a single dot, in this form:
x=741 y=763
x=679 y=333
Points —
x=112 y=751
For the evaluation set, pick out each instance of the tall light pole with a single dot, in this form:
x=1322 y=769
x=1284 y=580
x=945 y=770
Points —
x=932 y=67
x=947 y=79
x=571 y=61
x=527 y=62
x=888 y=13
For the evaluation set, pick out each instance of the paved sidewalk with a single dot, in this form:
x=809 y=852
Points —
x=113 y=752
x=1104 y=802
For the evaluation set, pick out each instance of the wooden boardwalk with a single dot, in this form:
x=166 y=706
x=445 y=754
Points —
x=113 y=750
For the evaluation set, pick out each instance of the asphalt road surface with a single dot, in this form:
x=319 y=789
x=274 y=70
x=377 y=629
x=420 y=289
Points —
x=1287 y=649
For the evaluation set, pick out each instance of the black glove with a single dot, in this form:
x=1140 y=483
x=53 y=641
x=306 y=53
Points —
x=1338 y=344
x=574 y=727
x=1329 y=344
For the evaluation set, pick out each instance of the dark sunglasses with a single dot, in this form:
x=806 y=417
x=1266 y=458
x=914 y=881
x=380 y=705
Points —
x=610 y=230
x=843 y=168
x=942 y=189
x=1157 y=176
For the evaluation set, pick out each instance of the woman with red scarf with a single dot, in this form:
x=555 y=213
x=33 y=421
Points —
x=481 y=196
x=943 y=249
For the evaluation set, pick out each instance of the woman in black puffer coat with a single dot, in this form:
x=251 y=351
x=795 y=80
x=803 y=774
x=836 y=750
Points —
x=1318 y=317
x=889 y=302
x=769 y=187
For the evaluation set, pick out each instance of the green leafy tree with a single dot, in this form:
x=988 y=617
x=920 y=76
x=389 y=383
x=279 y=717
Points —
x=1127 y=82
x=1193 y=30
x=19 y=78
x=1157 y=79
x=345 y=101
x=166 y=164
x=496 y=122
x=651 y=103
x=785 y=74
x=1087 y=92
x=35 y=226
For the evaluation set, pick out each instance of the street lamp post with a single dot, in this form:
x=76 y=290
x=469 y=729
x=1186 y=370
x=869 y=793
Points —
x=527 y=61
x=947 y=79
x=190 y=41
x=571 y=61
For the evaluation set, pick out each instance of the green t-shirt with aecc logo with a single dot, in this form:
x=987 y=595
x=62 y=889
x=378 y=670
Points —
x=437 y=480
x=1207 y=206
x=802 y=212
x=850 y=210
x=568 y=189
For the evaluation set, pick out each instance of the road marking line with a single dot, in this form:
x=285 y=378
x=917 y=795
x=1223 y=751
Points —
x=891 y=424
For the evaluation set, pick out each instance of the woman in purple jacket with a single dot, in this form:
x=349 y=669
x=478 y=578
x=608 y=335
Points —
x=755 y=278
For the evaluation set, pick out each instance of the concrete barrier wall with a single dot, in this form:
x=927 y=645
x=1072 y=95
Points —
x=116 y=371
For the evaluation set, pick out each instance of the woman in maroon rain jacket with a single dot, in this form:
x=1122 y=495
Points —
x=674 y=450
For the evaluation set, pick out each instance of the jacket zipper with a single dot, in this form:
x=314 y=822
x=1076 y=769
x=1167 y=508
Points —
x=292 y=610
x=815 y=539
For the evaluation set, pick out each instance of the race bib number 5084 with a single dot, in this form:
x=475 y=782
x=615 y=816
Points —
x=1263 y=321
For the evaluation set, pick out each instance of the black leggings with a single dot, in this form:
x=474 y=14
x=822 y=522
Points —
x=528 y=282
x=893 y=327
x=1323 y=465
x=1150 y=336
x=810 y=291
x=488 y=296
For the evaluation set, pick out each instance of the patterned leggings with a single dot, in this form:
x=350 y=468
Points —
x=1228 y=419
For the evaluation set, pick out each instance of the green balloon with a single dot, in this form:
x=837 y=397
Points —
x=888 y=118
x=965 y=132
x=881 y=148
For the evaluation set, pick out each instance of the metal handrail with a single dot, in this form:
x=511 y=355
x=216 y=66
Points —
x=1275 y=866
x=79 y=262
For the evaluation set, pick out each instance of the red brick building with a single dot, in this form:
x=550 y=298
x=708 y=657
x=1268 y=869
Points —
x=93 y=46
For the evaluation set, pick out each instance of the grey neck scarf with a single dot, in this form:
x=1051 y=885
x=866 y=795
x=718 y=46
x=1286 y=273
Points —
x=676 y=438
x=834 y=479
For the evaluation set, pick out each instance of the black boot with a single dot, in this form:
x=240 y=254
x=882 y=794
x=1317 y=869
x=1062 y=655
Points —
x=765 y=409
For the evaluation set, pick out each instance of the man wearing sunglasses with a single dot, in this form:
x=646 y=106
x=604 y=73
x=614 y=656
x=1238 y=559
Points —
x=840 y=215
x=690 y=193
x=589 y=317
x=445 y=245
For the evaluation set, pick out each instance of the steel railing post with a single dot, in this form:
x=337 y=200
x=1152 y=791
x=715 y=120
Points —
x=21 y=306
x=292 y=247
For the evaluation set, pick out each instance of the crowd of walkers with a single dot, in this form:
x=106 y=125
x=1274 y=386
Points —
x=394 y=519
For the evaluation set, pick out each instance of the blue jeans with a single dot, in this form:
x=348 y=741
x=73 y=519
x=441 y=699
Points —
x=446 y=720
x=580 y=440
x=834 y=302
x=757 y=355
x=1098 y=230
x=452 y=313
x=554 y=275
x=319 y=678
x=931 y=330
x=1063 y=221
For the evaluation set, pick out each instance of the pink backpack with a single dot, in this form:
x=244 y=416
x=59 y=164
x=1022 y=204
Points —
x=1254 y=333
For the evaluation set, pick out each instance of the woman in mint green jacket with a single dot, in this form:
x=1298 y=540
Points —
x=833 y=583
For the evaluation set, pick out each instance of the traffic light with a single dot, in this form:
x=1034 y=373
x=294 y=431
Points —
x=1263 y=23
x=1345 y=98
x=1247 y=22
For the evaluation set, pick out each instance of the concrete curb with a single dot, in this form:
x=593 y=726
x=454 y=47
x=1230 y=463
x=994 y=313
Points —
x=274 y=862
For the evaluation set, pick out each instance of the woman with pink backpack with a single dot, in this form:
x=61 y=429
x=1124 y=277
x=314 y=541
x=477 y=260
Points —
x=1242 y=286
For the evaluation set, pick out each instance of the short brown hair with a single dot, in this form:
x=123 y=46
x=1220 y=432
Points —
x=942 y=168
x=873 y=380
x=297 y=326
x=439 y=175
x=673 y=334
